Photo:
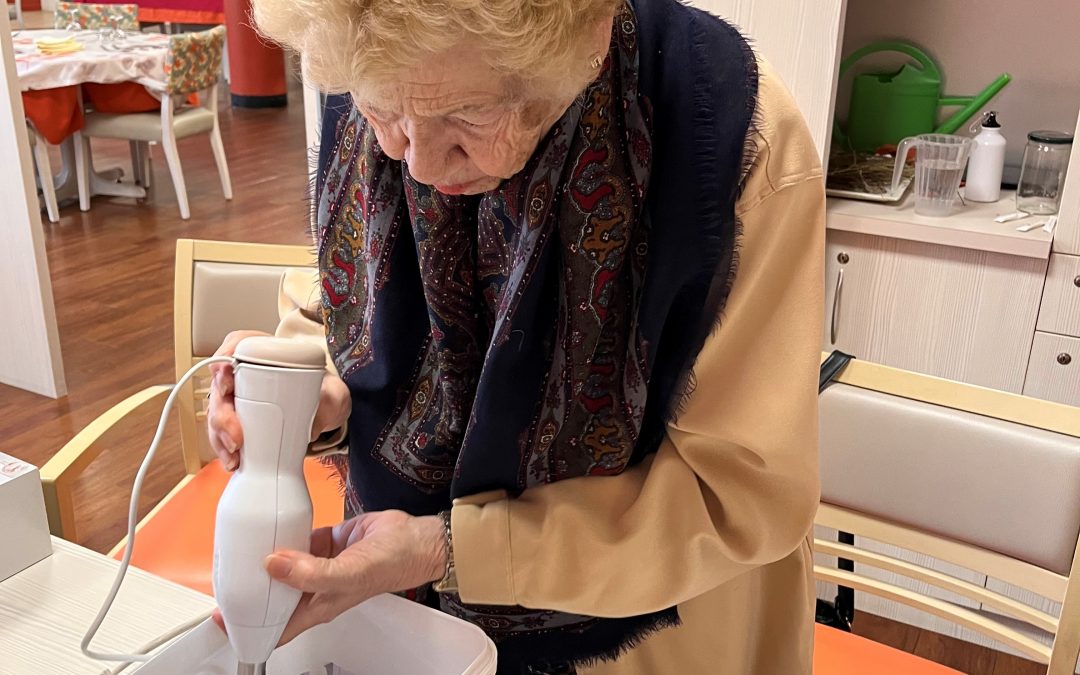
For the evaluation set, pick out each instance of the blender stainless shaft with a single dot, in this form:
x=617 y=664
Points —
x=251 y=668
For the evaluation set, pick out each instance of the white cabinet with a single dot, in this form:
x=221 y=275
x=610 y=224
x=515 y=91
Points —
x=1060 y=311
x=1054 y=370
x=952 y=312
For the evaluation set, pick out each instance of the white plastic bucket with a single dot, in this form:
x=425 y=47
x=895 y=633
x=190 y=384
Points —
x=386 y=635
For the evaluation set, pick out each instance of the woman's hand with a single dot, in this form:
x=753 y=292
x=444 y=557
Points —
x=226 y=436
x=382 y=552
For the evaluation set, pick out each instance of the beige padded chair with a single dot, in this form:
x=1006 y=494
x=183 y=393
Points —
x=982 y=479
x=220 y=287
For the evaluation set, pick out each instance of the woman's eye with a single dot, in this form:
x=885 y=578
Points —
x=474 y=123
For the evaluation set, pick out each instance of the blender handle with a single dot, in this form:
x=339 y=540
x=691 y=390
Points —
x=902 y=151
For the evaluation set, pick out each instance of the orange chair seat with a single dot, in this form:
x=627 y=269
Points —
x=840 y=653
x=178 y=542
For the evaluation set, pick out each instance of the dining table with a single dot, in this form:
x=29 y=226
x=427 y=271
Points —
x=119 y=72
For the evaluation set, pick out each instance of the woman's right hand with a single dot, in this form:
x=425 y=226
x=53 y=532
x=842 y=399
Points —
x=226 y=435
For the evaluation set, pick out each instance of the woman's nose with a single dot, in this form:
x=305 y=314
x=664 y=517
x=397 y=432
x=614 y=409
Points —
x=428 y=154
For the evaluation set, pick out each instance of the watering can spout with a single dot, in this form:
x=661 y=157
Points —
x=971 y=105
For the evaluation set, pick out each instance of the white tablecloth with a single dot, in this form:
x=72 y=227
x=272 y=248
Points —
x=140 y=57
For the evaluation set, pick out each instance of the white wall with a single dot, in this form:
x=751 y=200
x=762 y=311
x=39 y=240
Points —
x=29 y=344
x=1037 y=42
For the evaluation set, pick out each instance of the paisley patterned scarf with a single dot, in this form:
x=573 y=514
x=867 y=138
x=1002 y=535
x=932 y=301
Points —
x=492 y=342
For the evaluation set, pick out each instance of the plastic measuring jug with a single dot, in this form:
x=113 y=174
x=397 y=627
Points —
x=940 y=160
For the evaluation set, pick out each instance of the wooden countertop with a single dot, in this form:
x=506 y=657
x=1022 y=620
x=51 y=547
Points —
x=970 y=226
x=46 y=609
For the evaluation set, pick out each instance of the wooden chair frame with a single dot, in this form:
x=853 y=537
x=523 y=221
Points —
x=59 y=473
x=1062 y=657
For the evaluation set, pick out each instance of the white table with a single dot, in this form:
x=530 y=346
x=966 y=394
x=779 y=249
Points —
x=139 y=57
x=45 y=610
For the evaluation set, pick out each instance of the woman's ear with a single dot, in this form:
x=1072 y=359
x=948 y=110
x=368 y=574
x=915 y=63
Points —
x=600 y=36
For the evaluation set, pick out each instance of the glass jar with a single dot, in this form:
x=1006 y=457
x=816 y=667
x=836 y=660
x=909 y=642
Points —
x=1042 y=177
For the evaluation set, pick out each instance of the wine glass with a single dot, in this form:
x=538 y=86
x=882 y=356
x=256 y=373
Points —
x=73 y=24
x=116 y=19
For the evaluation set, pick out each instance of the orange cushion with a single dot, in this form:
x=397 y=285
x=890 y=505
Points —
x=120 y=98
x=178 y=542
x=55 y=113
x=840 y=653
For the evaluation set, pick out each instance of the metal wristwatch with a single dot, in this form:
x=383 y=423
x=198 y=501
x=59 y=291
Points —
x=448 y=584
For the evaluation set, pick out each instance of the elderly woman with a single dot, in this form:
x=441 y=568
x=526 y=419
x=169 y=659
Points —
x=570 y=279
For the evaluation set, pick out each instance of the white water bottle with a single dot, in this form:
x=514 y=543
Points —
x=987 y=162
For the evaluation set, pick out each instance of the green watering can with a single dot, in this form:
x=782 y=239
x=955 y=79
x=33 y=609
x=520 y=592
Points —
x=888 y=107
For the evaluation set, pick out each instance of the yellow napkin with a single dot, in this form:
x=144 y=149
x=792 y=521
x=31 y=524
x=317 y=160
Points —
x=57 y=45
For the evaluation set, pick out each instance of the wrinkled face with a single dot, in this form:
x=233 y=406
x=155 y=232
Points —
x=453 y=122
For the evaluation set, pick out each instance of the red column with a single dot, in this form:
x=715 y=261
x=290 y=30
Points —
x=256 y=67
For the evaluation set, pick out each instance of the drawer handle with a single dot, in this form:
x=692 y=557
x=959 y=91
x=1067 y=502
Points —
x=1064 y=359
x=1076 y=281
x=836 y=304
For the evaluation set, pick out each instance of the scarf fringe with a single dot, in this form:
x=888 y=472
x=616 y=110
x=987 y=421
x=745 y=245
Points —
x=721 y=251
x=606 y=640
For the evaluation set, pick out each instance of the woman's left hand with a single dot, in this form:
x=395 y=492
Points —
x=382 y=552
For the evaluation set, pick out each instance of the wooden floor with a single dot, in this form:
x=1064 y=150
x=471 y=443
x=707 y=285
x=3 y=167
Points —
x=112 y=271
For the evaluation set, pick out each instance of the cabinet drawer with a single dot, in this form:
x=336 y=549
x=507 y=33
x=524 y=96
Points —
x=956 y=313
x=1054 y=370
x=1060 y=311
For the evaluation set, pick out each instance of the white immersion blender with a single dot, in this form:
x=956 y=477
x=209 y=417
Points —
x=266 y=506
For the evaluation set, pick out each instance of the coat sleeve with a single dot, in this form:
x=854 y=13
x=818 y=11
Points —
x=734 y=484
